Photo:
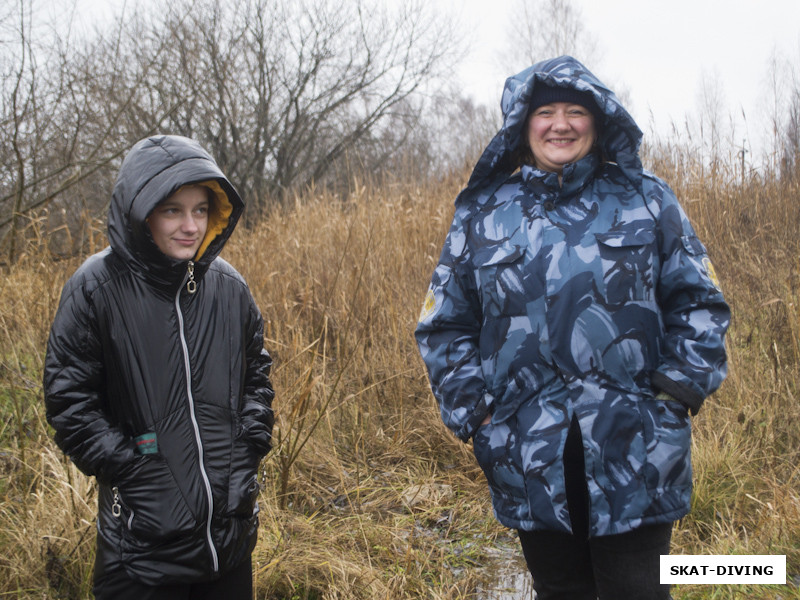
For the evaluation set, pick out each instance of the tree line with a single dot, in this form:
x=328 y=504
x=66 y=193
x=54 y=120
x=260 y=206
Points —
x=285 y=94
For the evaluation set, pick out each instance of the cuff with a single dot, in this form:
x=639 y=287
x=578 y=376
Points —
x=682 y=393
x=483 y=408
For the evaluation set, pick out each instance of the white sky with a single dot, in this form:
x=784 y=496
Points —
x=660 y=51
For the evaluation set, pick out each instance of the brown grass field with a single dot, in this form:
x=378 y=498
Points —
x=366 y=494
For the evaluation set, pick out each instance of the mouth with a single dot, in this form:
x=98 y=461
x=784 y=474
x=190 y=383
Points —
x=560 y=141
x=186 y=242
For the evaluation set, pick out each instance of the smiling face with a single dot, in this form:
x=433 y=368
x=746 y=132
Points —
x=179 y=223
x=560 y=133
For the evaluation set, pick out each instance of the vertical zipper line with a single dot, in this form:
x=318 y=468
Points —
x=188 y=369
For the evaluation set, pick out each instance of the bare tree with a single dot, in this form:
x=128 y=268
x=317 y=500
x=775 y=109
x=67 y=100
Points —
x=21 y=101
x=782 y=117
x=448 y=136
x=711 y=103
x=284 y=93
x=786 y=118
x=540 y=29
x=61 y=133
x=790 y=146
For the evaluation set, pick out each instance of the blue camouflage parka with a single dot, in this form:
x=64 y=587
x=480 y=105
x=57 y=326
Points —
x=586 y=298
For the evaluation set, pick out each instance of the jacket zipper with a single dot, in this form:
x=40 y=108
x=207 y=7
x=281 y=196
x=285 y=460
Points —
x=188 y=369
x=191 y=284
x=116 y=508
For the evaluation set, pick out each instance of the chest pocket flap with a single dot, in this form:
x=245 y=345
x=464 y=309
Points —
x=627 y=259
x=499 y=272
x=497 y=254
x=623 y=239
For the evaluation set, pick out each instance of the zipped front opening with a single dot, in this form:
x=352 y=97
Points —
x=190 y=396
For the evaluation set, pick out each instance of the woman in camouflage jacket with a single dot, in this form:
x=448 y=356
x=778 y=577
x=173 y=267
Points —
x=572 y=325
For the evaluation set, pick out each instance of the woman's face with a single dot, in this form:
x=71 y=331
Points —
x=178 y=224
x=560 y=133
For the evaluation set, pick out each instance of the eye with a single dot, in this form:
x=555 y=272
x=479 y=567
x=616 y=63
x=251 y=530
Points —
x=577 y=111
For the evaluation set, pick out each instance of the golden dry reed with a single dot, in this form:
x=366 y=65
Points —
x=366 y=495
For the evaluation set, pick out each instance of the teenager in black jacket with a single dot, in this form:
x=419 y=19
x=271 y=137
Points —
x=157 y=383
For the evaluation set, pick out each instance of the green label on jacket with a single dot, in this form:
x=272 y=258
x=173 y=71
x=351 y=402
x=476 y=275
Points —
x=147 y=443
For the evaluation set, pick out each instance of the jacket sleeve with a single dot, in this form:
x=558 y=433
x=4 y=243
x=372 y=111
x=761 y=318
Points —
x=448 y=334
x=696 y=317
x=74 y=391
x=257 y=416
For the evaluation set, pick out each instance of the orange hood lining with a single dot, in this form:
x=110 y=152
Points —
x=219 y=213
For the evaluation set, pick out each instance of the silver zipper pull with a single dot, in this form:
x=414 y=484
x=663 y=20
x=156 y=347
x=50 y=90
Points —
x=191 y=285
x=116 y=507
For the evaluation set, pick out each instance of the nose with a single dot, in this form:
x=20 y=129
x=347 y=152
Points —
x=188 y=224
x=560 y=121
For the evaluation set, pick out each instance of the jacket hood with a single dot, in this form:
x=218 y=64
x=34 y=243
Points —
x=155 y=168
x=619 y=140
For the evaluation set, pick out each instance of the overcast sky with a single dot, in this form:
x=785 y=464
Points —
x=660 y=52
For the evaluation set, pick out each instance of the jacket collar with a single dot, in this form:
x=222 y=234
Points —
x=574 y=177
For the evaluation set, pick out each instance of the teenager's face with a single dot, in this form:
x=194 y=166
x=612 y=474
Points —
x=560 y=133
x=178 y=224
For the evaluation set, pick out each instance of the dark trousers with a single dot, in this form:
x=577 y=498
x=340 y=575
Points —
x=576 y=567
x=234 y=585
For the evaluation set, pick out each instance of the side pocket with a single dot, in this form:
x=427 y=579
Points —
x=150 y=504
x=498 y=455
x=243 y=486
x=668 y=435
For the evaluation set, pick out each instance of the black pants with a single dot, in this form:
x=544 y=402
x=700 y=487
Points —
x=576 y=567
x=234 y=585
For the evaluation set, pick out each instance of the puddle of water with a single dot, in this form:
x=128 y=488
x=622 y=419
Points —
x=509 y=581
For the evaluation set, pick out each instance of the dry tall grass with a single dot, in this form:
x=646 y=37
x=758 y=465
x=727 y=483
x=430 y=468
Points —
x=366 y=494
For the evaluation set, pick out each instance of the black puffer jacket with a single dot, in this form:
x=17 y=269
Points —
x=160 y=393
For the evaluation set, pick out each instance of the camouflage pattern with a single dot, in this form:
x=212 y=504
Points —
x=585 y=297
